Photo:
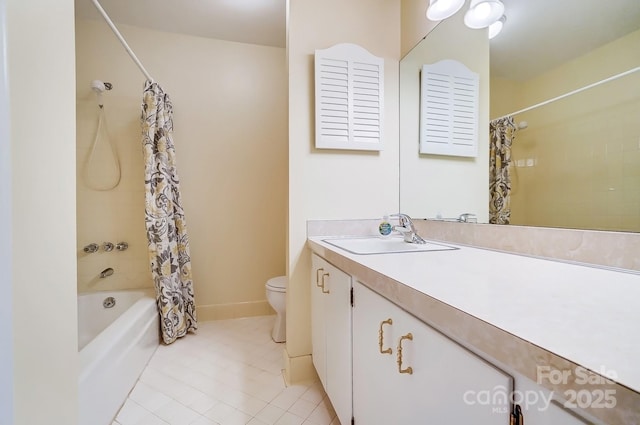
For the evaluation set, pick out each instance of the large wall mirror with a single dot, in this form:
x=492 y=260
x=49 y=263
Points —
x=575 y=162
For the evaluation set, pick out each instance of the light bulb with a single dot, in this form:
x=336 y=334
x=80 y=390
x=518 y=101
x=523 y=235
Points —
x=442 y=9
x=483 y=13
x=482 y=10
x=496 y=27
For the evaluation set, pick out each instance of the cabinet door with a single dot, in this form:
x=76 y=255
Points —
x=318 y=325
x=374 y=375
x=331 y=334
x=539 y=409
x=427 y=379
x=337 y=291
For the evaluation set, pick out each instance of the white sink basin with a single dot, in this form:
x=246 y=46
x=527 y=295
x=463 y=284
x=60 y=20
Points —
x=377 y=245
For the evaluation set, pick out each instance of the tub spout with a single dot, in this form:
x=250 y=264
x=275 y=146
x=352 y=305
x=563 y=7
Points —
x=106 y=273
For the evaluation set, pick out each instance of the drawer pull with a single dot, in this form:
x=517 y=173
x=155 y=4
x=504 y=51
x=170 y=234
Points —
x=322 y=286
x=381 y=336
x=320 y=270
x=408 y=369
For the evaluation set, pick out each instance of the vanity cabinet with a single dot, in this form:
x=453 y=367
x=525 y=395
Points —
x=405 y=372
x=380 y=365
x=331 y=333
x=540 y=407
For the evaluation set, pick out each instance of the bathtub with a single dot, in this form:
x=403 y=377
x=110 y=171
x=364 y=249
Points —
x=114 y=345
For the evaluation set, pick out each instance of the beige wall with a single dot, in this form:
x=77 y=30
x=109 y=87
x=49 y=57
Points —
x=414 y=24
x=432 y=185
x=506 y=97
x=42 y=113
x=326 y=184
x=578 y=162
x=230 y=132
x=115 y=215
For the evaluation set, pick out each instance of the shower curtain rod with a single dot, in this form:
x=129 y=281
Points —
x=121 y=38
x=562 y=96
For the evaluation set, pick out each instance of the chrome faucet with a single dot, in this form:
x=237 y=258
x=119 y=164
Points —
x=106 y=273
x=467 y=218
x=407 y=229
x=91 y=248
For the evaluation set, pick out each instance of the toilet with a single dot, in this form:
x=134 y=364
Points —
x=276 y=295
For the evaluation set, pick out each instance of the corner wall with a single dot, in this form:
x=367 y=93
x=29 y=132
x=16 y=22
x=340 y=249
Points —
x=415 y=26
x=330 y=184
x=40 y=45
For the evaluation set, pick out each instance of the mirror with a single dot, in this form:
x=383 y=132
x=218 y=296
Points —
x=575 y=161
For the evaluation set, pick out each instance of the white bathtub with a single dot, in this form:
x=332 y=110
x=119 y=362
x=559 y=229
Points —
x=114 y=346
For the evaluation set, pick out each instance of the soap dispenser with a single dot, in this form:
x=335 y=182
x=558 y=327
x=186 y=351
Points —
x=385 y=227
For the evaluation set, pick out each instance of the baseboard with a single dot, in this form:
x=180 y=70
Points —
x=233 y=310
x=298 y=369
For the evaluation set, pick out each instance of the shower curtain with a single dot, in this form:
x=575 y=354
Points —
x=502 y=132
x=164 y=218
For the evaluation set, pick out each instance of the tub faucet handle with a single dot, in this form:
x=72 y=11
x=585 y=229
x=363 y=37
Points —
x=107 y=246
x=91 y=248
x=121 y=246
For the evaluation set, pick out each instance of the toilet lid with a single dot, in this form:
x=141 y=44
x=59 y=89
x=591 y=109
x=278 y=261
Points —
x=277 y=283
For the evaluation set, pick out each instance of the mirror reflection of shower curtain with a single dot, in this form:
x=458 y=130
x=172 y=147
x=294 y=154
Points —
x=164 y=217
x=501 y=135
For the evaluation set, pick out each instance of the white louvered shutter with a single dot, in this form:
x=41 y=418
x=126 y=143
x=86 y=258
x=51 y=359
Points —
x=349 y=90
x=449 y=109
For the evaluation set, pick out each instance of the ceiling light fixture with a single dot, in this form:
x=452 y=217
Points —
x=483 y=13
x=442 y=9
x=496 y=27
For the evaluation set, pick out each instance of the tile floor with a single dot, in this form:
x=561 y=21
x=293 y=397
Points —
x=228 y=373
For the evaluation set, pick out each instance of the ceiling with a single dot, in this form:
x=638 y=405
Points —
x=246 y=21
x=538 y=34
x=541 y=34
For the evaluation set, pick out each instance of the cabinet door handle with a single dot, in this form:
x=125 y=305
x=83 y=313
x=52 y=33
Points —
x=322 y=286
x=516 y=416
x=409 y=369
x=318 y=271
x=381 y=336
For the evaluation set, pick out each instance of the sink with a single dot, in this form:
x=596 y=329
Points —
x=377 y=245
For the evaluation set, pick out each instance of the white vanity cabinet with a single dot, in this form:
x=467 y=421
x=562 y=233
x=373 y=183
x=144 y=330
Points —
x=407 y=373
x=539 y=407
x=331 y=333
x=380 y=364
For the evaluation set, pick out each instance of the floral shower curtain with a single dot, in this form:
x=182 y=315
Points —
x=502 y=132
x=164 y=218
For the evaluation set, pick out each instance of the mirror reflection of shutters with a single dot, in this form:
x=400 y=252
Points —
x=449 y=109
x=349 y=98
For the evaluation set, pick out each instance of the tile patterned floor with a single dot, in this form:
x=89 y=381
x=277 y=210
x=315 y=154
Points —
x=228 y=373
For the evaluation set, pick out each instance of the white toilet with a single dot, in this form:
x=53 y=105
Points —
x=276 y=295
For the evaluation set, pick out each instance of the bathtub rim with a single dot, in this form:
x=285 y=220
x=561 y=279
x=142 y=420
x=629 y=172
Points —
x=92 y=354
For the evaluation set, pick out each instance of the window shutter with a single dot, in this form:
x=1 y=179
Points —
x=349 y=97
x=449 y=109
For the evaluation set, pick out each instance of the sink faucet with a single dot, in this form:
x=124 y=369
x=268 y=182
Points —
x=467 y=218
x=407 y=229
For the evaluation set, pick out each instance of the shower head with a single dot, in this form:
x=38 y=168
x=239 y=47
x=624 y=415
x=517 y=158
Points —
x=522 y=125
x=99 y=87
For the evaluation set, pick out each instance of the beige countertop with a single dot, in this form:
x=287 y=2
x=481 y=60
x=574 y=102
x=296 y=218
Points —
x=521 y=311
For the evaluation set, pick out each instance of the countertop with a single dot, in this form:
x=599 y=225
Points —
x=567 y=314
